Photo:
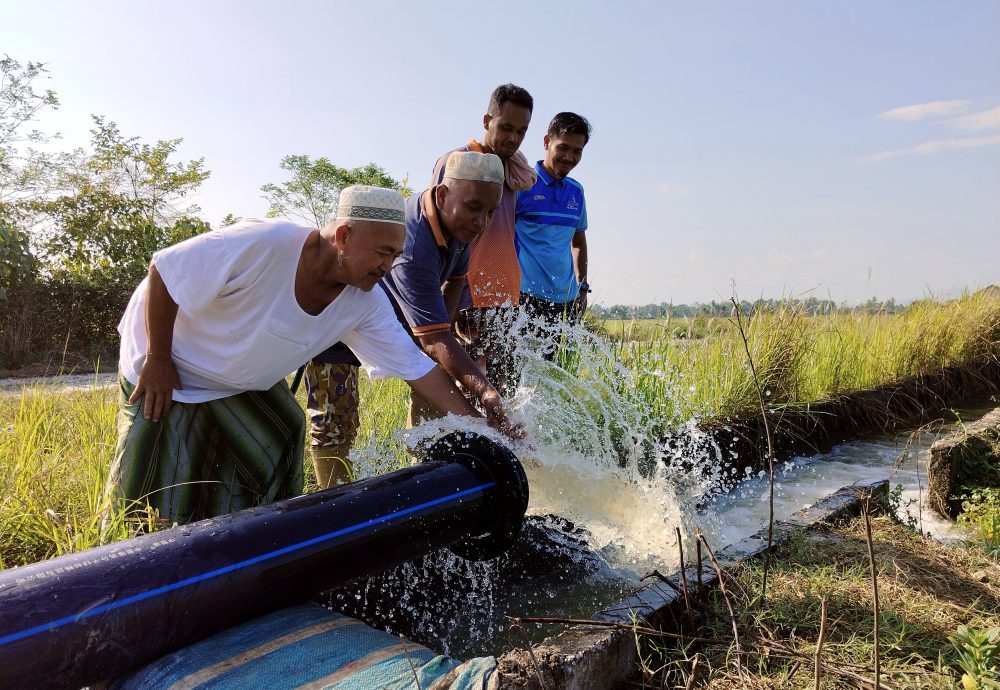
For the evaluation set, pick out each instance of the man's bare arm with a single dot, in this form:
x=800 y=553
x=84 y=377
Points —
x=444 y=348
x=158 y=377
x=580 y=266
x=437 y=388
x=452 y=293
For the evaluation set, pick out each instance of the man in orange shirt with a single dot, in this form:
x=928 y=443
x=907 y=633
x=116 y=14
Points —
x=494 y=276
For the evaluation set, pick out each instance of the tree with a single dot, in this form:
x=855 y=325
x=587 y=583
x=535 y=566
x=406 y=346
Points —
x=312 y=192
x=118 y=204
x=17 y=264
x=77 y=229
x=21 y=167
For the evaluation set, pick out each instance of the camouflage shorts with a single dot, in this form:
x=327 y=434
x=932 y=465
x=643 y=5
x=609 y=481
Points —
x=332 y=403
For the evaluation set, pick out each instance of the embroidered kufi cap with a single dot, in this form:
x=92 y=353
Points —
x=470 y=165
x=378 y=204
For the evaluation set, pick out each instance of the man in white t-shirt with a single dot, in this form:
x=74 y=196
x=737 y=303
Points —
x=207 y=424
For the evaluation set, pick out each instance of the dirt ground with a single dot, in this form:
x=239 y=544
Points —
x=65 y=382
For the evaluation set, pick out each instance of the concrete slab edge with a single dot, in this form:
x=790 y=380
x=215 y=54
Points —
x=958 y=459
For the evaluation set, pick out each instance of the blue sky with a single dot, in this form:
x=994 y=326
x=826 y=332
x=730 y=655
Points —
x=851 y=149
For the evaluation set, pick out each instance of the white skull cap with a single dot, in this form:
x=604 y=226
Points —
x=470 y=165
x=361 y=202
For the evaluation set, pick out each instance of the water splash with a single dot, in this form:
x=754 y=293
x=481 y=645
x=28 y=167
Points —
x=603 y=461
x=619 y=480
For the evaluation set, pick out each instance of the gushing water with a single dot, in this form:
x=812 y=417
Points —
x=600 y=459
x=593 y=457
x=619 y=481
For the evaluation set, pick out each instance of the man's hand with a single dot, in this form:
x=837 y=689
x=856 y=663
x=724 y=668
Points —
x=158 y=377
x=157 y=381
x=437 y=388
x=444 y=349
x=496 y=415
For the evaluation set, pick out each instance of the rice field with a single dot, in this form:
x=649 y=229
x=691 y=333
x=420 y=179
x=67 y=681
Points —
x=799 y=358
x=55 y=447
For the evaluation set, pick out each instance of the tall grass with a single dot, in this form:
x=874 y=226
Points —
x=55 y=447
x=55 y=450
x=802 y=358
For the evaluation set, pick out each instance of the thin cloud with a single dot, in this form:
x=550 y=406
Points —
x=988 y=119
x=910 y=113
x=672 y=190
x=932 y=147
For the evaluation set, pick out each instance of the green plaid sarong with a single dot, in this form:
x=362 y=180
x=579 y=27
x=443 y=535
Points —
x=211 y=458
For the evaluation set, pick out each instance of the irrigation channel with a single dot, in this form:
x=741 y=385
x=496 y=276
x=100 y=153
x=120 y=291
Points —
x=607 y=494
x=609 y=486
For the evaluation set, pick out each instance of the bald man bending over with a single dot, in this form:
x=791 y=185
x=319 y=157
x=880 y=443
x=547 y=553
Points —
x=207 y=424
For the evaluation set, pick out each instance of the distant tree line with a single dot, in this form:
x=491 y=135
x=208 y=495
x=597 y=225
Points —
x=810 y=305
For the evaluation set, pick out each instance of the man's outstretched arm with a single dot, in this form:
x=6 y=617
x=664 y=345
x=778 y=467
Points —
x=443 y=347
x=437 y=388
x=158 y=377
x=454 y=363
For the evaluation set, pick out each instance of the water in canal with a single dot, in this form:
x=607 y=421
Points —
x=607 y=495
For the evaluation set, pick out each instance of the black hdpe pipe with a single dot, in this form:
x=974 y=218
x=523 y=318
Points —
x=95 y=615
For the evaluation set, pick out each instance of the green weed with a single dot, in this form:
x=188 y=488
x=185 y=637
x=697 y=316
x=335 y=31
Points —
x=978 y=654
x=981 y=513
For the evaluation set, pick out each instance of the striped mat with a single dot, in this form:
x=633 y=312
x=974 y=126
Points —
x=309 y=647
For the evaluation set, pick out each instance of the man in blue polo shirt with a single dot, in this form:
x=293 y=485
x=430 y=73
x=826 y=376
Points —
x=550 y=222
x=424 y=287
x=427 y=279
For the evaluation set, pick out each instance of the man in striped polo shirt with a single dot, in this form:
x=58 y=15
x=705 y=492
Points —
x=427 y=279
x=551 y=224
x=494 y=276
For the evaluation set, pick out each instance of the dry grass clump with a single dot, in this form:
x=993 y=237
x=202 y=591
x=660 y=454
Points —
x=926 y=591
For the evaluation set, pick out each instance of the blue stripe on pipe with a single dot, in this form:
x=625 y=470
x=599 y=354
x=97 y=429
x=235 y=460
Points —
x=235 y=566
